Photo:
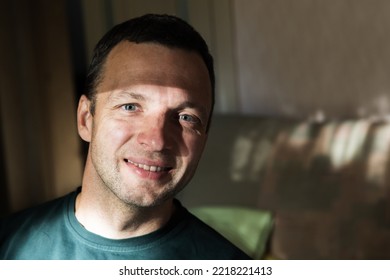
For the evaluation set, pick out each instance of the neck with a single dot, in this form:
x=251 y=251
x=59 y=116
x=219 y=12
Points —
x=117 y=221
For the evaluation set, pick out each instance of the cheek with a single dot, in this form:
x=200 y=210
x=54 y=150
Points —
x=195 y=146
x=113 y=133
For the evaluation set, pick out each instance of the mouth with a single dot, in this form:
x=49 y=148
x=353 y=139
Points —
x=151 y=168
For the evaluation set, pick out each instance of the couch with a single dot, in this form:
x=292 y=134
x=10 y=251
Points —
x=312 y=189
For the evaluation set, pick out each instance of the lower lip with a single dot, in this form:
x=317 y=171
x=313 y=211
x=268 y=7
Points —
x=145 y=174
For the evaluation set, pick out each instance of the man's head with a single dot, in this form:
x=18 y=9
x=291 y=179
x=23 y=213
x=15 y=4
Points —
x=166 y=30
x=147 y=111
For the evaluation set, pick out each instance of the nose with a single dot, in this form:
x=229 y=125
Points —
x=154 y=135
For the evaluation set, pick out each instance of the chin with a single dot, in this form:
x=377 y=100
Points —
x=147 y=201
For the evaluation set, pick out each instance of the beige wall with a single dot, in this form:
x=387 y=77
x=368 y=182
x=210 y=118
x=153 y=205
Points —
x=298 y=58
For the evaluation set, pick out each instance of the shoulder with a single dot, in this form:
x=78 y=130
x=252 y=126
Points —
x=208 y=243
x=33 y=218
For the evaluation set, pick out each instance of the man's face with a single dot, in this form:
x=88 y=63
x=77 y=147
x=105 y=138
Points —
x=149 y=127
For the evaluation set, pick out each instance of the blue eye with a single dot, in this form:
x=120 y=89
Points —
x=129 y=107
x=188 y=118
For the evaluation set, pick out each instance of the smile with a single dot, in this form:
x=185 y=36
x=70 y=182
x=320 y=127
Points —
x=145 y=167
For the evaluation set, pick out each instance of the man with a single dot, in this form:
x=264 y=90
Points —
x=146 y=114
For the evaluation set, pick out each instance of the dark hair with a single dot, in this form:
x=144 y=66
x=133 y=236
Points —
x=166 y=30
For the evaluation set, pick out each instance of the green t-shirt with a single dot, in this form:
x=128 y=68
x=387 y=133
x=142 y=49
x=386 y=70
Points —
x=51 y=231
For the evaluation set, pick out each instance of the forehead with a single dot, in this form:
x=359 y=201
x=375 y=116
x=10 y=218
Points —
x=131 y=64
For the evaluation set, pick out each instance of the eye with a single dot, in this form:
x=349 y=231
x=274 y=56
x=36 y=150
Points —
x=130 y=107
x=189 y=118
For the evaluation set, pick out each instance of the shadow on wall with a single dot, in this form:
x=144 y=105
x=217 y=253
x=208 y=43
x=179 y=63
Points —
x=338 y=143
x=327 y=183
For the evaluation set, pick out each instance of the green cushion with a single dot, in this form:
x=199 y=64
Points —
x=248 y=229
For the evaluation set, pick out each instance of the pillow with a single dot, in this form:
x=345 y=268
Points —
x=248 y=229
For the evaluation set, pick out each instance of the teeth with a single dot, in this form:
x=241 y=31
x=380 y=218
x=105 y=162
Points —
x=151 y=168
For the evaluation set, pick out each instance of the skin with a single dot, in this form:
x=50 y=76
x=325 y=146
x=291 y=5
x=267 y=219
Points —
x=146 y=137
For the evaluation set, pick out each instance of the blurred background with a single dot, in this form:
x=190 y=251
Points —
x=297 y=59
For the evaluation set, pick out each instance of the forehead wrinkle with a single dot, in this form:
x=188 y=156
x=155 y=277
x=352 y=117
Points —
x=117 y=95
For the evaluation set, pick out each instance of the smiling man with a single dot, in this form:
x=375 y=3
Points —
x=146 y=115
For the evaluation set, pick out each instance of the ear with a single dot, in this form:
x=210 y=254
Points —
x=84 y=119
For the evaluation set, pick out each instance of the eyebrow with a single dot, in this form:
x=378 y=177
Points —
x=127 y=94
x=187 y=104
